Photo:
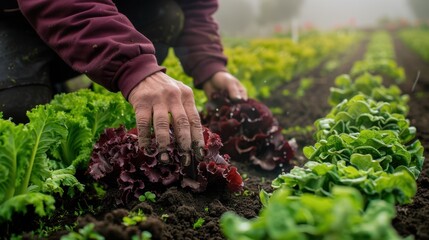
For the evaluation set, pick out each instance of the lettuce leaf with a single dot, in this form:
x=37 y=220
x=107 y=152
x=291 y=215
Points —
x=341 y=216
x=383 y=146
x=321 y=178
x=86 y=114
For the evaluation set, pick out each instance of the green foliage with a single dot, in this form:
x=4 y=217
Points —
x=164 y=217
x=86 y=114
x=362 y=112
x=25 y=166
x=370 y=86
x=101 y=192
x=199 y=223
x=265 y=64
x=39 y=159
x=63 y=178
x=365 y=161
x=380 y=59
x=134 y=218
x=305 y=84
x=148 y=196
x=383 y=147
x=365 y=175
x=145 y=235
x=85 y=233
x=341 y=216
x=417 y=39
x=43 y=205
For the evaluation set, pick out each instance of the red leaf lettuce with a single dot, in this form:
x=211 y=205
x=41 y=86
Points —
x=117 y=160
x=248 y=131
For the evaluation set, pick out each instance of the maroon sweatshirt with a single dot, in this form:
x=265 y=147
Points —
x=94 y=38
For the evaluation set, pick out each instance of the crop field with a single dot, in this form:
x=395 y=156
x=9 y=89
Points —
x=331 y=145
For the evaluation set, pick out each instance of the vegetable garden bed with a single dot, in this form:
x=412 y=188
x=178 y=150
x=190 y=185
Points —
x=177 y=213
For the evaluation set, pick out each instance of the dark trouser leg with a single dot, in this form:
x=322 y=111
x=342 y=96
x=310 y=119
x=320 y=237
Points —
x=24 y=79
x=161 y=21
x=25 y=71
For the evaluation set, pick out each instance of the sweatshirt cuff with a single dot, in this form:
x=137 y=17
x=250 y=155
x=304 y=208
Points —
x=135 y=70
x=205 y=71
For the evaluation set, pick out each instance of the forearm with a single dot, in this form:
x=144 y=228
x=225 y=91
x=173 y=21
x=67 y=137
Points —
x=199 y=46
x=95 y=39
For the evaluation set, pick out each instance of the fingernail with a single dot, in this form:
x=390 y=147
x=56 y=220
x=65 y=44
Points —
x=186 y=159
x=163 y=158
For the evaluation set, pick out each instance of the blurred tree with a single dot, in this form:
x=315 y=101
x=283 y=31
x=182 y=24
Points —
x=420 y=8
x=275 y=11
x=234 y=16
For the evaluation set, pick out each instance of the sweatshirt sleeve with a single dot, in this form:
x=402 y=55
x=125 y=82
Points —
x=199 y=46
x=95 y=39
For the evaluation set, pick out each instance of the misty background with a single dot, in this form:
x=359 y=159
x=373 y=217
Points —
x=265 y=17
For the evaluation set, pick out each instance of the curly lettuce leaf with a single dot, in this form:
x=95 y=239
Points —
x=384 y=146
x=361 y=112
x=45 y=131
x=14 y=154
x=340 y=216
x=43 y=205
x=86 y=114
x=63 y=178
x=320 y=179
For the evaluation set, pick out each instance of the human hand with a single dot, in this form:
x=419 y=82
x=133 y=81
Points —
x=224 y=81
x=153 y=100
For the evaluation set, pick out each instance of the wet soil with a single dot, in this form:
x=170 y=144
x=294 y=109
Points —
x=413 y=219
x=175 y=211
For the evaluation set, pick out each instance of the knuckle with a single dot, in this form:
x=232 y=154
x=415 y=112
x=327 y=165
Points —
x=162 y=124
x=142 y=123
x=171 y=91
x=196 y=122
x=187 y=92
x=182 y=121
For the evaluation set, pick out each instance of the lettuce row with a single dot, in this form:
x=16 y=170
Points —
x=382 y=147
x=40 y=158
x=341 y=216
x=417 y=39
x=361 y=112
x=24 y=165
x=370 y=86
x=380 y=59
x=320 y=179
x=364 y=145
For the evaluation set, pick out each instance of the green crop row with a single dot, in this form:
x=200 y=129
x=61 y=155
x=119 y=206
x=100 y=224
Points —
x=264 y=64
x=365 y=160
x=380 y=59
x=417 y=40
x=38 y=160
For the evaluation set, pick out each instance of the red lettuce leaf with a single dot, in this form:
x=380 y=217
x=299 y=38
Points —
x=117 y=161
x=248 y=131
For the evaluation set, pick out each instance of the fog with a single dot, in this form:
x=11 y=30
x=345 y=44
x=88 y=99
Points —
x=365 y=13
x=248 y=17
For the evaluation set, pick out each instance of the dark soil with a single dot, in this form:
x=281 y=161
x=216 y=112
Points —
x=413 y=219
x=175 y=211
